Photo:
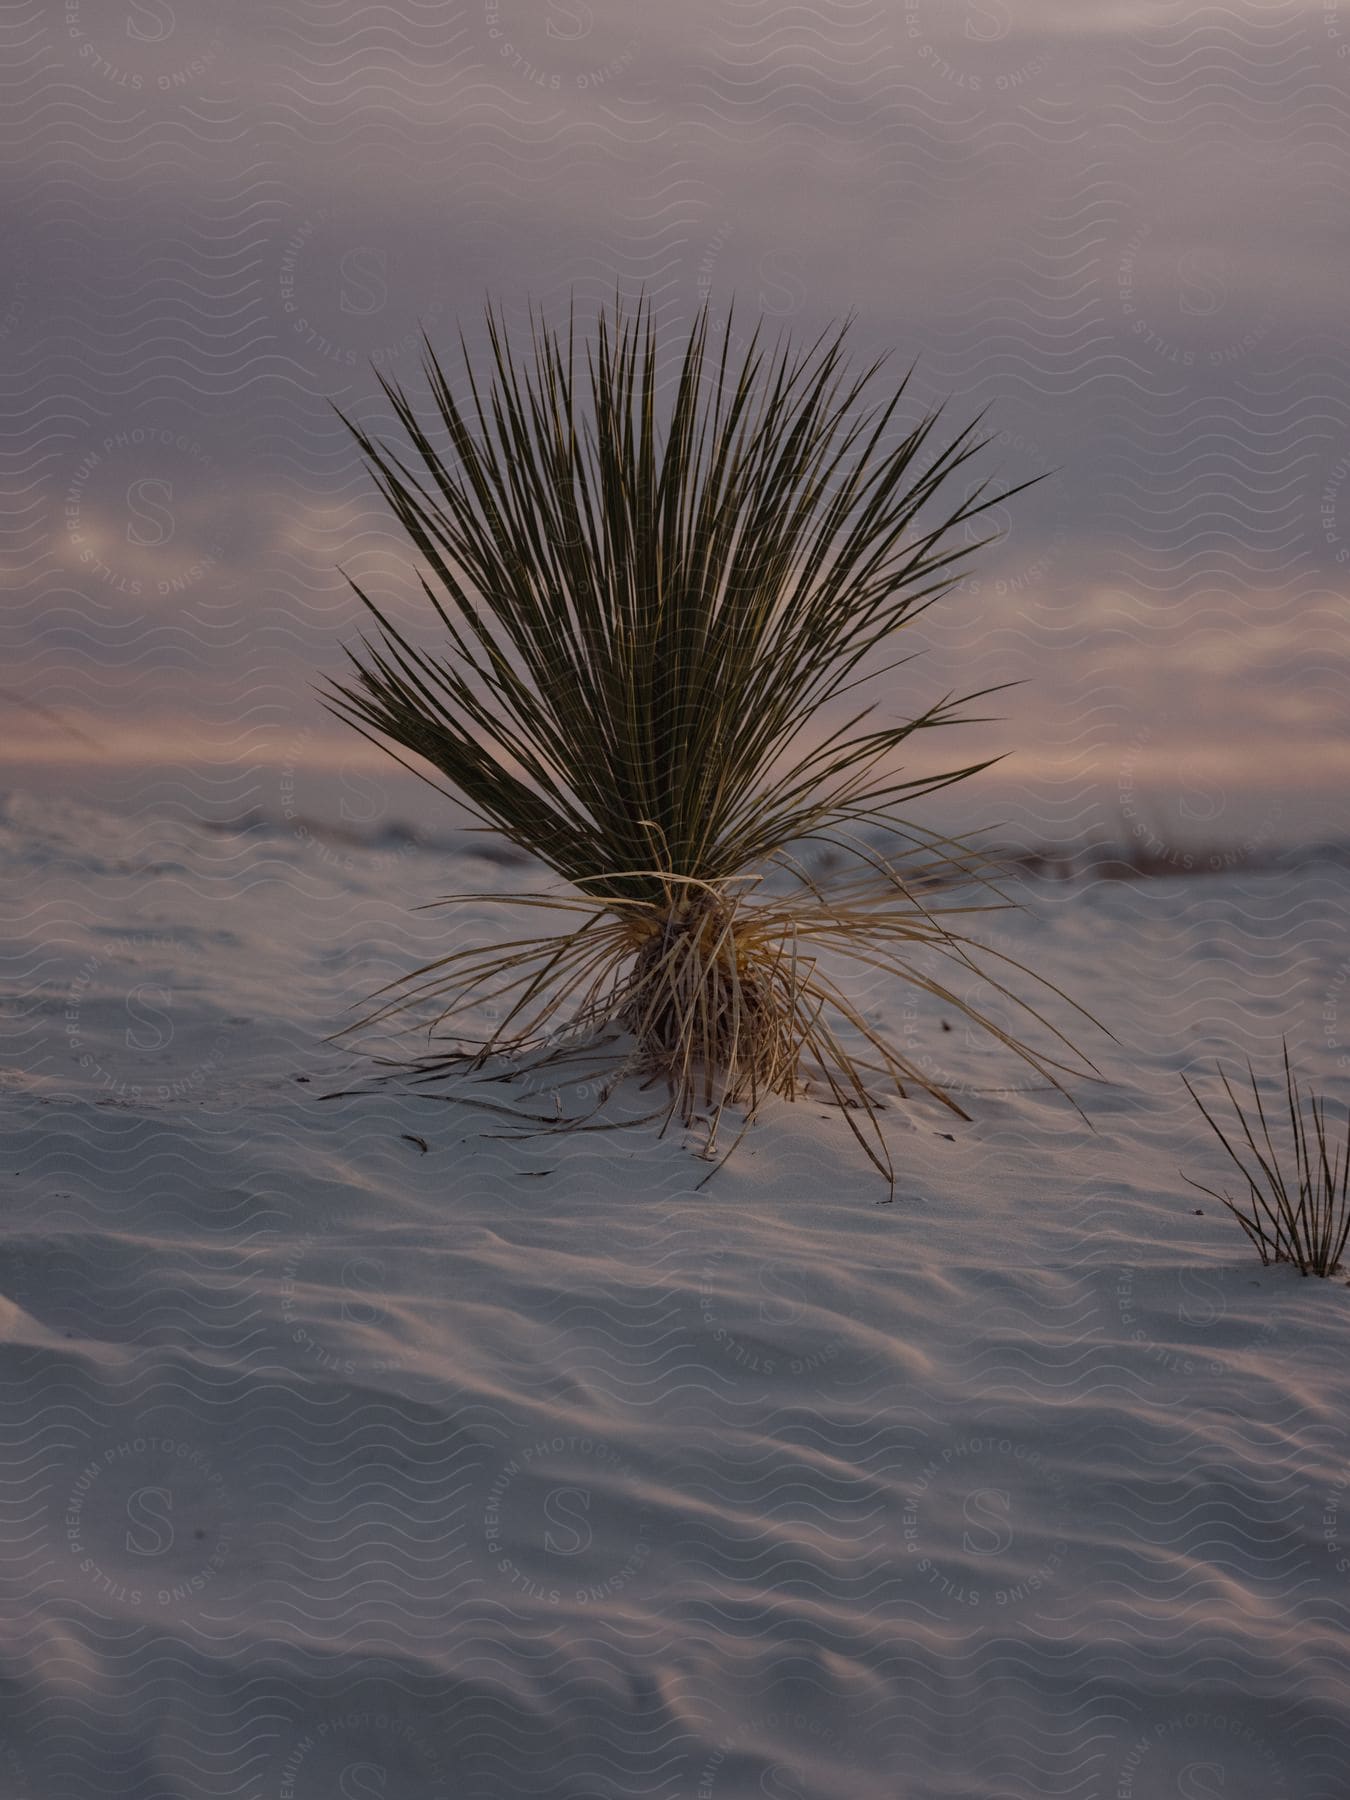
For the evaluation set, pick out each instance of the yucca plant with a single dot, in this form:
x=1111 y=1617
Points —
x=1297 y=1205
x=651 y=580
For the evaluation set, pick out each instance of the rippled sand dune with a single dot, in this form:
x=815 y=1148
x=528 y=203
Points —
x=353 y=1448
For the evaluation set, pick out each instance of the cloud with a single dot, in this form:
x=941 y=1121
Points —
x=1116 y=223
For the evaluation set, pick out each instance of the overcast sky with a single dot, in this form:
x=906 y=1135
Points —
x=1122 y=225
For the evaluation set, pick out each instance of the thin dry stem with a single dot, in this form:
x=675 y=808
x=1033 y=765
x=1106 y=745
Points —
x=1299 y=1216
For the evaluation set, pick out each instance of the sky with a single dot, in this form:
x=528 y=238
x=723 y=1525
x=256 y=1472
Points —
x=1120 y=226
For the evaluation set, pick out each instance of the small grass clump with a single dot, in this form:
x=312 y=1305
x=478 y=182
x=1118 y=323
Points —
x=1297 y=1206
x=656 y=580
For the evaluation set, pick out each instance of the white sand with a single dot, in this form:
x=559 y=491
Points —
x=338 y=1469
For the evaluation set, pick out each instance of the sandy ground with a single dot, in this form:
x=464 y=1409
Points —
x=338 y=1466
